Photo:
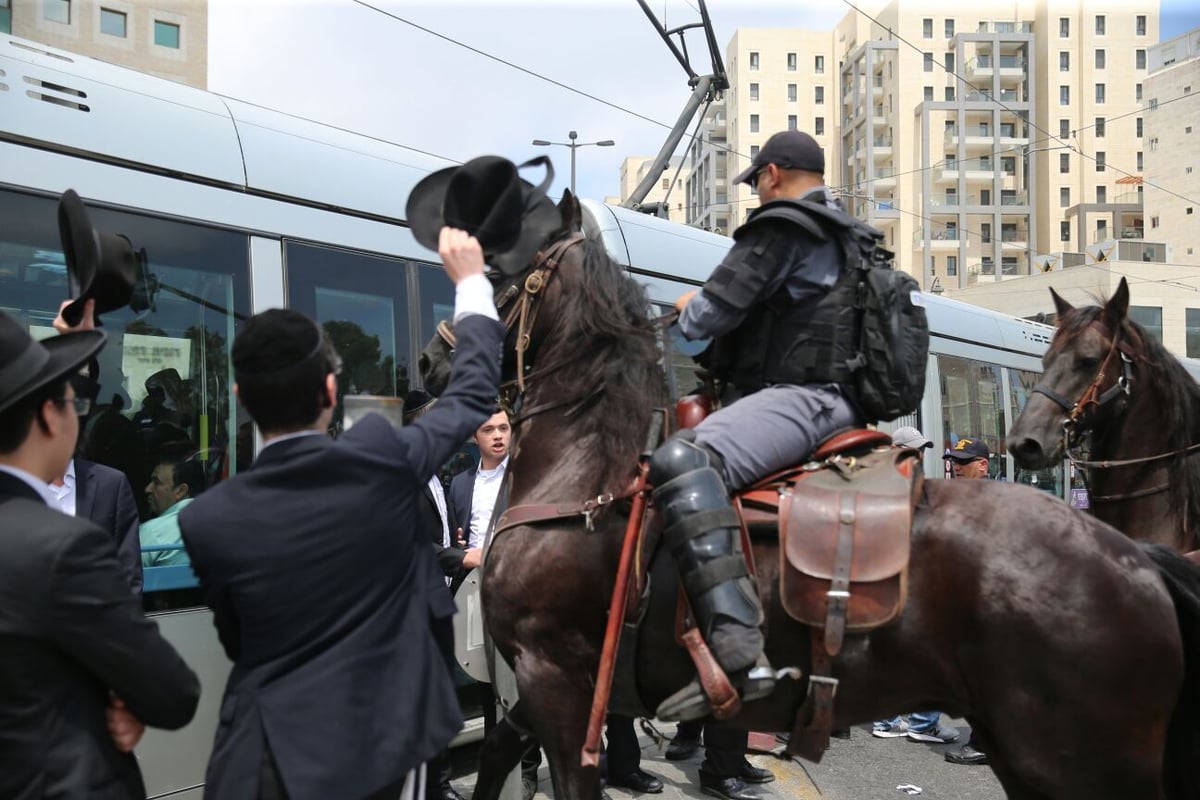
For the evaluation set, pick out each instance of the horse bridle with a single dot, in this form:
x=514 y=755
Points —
x=1093 y=398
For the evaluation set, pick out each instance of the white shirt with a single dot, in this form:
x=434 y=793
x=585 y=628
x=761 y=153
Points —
x=474 y=295
x=439 y=499
x=483 y=501
x=34 y=482
x=64 y=496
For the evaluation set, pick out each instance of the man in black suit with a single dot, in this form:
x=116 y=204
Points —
x=103 y=495
x=81 y=668
x=319 y=573
x=474 y=493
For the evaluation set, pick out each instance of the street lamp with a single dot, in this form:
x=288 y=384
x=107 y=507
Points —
x=574 y=145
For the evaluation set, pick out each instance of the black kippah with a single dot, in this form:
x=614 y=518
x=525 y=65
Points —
x=274 y=342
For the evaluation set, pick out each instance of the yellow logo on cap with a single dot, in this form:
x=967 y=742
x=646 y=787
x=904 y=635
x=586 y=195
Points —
x=962 y=444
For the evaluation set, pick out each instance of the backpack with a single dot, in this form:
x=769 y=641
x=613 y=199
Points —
x=887 y=375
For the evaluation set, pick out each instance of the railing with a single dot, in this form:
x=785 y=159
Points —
x=1018 y=199
x=885 y=172
x=877 y=82
x=939 y=235
x=882 y=141
x=950 y=200
x=984 y=131
x=1020 y=235
x=1004 y=26
x=881 y=110
x=987 y=61
x=1131 y=198
x=980 y=95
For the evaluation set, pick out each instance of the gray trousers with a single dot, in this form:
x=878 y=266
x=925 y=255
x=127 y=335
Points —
x=773 y=428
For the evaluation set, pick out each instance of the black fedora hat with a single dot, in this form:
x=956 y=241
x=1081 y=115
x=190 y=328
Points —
x=416 y=403
x=509 y=216
x=27 y=365
x=100 y=266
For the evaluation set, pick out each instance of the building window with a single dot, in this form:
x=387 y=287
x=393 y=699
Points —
x=1099 y=127
x=949 y=94
x=1064 y=27
x=949 y=29
x=1140 y=24
x=819 y=65
x=666 y=184
x=753 y=60
x=1099 y=92
x=1064 y=231
x=1064 y=197
x=1139 y=162
x=952 y=265
x=1192 y=336
x=1064 y=163
x=112 y=22
x=1064 y=128
x=1153 y=104
x=791 y=122
x=1187 y=129
x=819 y=95
x=1064 y=61
x=1139 y=127
x=819 y=126
x=1137 y=92
x=754 y=123
x=57 y=11
x=1099 y=24
x=1101 y=59
x=1101 y=194
x=985 y=197
x=1150 y=318
x=1008 y=165
x=5 y=16
x=985 y=232
x=928 y=94
x=753 y=150
x=1064 y=95
x=927 y=28
x=754 y=91
x=1154 y=222
x=1139 y=59
x=791 y=92
x=166 y=34
x=1099 y=161
x=791 y=62
x=1153 y=142
x=929 y=62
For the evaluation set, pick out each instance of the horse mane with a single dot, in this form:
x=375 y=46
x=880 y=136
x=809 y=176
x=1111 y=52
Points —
x=1181 y=411
x=606 y=316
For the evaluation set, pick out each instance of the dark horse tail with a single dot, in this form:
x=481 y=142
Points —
x=1181 y=767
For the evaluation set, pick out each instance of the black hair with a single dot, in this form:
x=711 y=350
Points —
x=17 y=420
x=280 y=360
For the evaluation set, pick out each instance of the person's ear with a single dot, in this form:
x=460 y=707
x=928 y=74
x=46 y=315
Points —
x=330 y=398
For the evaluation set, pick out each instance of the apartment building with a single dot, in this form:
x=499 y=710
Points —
x=982 y=145
x=168 y=39
x=1172 y=147
x=707 y=187
x=669 y=188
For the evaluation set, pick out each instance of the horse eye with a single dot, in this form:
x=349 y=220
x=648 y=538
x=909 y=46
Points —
x=1087 y=362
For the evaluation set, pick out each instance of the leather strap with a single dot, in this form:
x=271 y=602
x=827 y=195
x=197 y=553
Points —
x=701 y=522
x=721 y=695
x=838 y=595
x=810 y=736
x=715 y=572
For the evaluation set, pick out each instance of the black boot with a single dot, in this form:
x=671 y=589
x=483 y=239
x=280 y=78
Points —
x=701 y=529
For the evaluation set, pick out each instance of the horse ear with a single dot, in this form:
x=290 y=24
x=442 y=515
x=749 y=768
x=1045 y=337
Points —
x=572 y=214
x=1117 y=306
x=1061 y=306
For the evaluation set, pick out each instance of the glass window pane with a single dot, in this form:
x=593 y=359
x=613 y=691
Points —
x=972 y=406
x=166 y=34
x=1049 y=479
x=1150 y=318
x=1193 y=332
x=57 y=11
x=166 y=382
x=5 y=16
x=361 y=300
x=112 y=22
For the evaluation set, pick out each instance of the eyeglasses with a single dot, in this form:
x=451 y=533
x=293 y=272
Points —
x=82 y=405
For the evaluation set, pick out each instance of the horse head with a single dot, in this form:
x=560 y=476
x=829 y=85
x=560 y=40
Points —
x=1085 y=382
x=510 y=290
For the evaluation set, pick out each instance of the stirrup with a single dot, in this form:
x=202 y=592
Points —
x=691 y=702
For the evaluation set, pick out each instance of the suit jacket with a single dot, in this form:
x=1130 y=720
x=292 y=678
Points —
x=449 y=557
x=320 y=578
x=447 y=563
x=71 y=631
x=103 y=495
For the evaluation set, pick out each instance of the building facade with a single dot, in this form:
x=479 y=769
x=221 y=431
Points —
x=168 y=39
x=670 y=188
x=1172 y=151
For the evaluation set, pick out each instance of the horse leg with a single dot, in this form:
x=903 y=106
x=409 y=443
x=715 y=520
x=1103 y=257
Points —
x=558 y=703
x=502 y=750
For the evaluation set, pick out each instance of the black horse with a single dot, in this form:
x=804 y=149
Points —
x=1073 y=652
x=1109 y=383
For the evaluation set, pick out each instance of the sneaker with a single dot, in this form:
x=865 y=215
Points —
x=942 y=734
x=887 y=729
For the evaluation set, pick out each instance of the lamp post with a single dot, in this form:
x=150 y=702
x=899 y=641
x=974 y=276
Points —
x=574 y=145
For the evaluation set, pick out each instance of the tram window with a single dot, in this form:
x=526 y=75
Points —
x=1048 y=479
x=361 y=300
x=437 y=299
x=681 y=368
x=972 y=405
x=166 y=383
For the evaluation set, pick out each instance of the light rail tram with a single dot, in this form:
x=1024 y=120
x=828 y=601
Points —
x=240 y=209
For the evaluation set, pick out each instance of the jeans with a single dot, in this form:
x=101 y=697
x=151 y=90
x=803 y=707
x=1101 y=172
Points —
x=919 y=721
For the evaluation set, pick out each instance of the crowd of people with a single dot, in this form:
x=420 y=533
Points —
x=316 y=562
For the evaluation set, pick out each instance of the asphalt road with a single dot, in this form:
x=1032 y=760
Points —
x=862 y=767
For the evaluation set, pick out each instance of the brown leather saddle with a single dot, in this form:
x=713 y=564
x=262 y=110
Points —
x=843 y=519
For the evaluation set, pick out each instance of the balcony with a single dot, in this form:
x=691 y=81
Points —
x=882 y=146
x=984 y=96
x=877 y=85
x=950 y=201
x=939 y=239
x=1018 y=238
x=1004 y=26
x=880 y=114
x=886 y=209
x=884 y=178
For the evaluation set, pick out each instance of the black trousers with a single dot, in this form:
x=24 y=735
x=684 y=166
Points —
x=724 y=746
x=624 y=755
x=531 y=759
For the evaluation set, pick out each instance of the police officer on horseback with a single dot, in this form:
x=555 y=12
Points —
x=782 y=332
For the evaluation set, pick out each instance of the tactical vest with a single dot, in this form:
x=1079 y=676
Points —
x=789 y=342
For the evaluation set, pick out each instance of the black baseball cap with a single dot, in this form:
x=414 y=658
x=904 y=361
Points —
x=968 y=450
x=787 y=150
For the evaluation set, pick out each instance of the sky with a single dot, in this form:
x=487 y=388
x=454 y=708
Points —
x=347 y=63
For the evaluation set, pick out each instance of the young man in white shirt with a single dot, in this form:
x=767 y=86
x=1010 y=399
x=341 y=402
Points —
x=473 y=493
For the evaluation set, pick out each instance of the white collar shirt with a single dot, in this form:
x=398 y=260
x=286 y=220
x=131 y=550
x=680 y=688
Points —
x=64 y=496
x=483 y=501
